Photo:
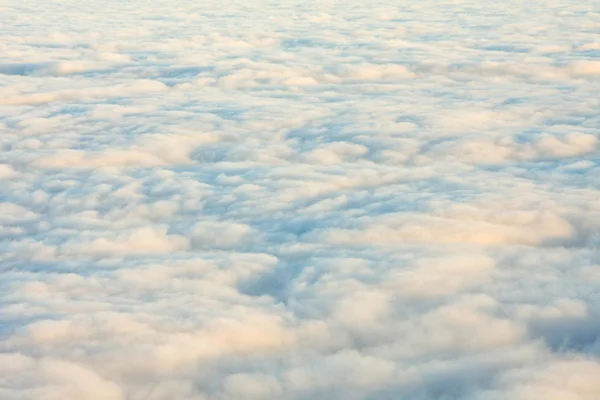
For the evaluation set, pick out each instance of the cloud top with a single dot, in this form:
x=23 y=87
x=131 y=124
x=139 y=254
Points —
x=292 y=200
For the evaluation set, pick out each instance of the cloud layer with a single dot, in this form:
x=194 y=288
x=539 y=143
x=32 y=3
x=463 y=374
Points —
x=292 y=200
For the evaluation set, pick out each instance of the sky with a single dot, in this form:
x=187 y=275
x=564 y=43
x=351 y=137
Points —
x=299 y=200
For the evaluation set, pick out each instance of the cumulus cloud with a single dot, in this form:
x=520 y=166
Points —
x=287 y=201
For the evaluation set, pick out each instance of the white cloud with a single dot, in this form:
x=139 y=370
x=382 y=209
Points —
x=141 y=240
x=462 y=225
x=568 y=379
x=221 y=234
x=270 y=200
x=7 y=171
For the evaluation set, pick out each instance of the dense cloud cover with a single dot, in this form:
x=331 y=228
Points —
x=299 y=200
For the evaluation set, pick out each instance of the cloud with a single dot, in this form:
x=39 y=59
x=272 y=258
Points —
x=139 y=87
x=461 y=225
x=269 y=200
x=219 y=234
x=569 y=378
x=142 y=240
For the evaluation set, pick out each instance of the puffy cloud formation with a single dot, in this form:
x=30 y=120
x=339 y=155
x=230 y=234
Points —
x=289 y=200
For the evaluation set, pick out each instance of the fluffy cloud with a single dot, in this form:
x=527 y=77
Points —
x=281 y=200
